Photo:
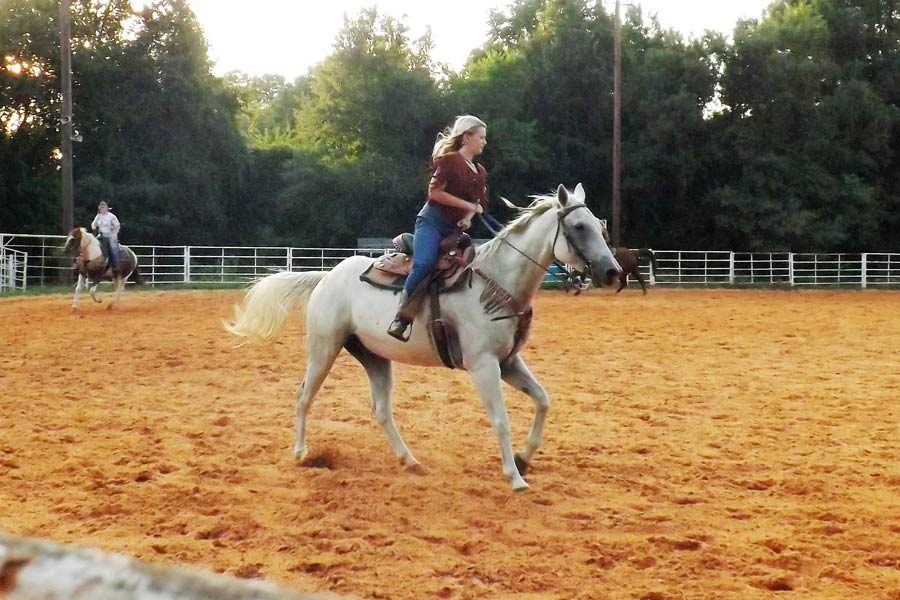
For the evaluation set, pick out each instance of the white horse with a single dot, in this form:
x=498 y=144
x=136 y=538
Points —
x=343 y=312
x=92 y=267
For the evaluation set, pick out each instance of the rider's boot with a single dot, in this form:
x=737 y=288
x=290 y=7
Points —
x=406 y=313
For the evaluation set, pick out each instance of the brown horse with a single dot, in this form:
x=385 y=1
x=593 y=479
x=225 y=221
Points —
x=629 y=260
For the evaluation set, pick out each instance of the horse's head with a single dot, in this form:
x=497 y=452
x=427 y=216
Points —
x=583 y=243
x=74 y=241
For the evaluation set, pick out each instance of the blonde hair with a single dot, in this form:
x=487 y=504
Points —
x=451 y=139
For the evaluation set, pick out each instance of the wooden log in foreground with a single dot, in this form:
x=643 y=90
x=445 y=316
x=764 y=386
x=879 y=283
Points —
x=39 y=570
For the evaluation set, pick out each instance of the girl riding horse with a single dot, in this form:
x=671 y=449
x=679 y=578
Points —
x=456 y=192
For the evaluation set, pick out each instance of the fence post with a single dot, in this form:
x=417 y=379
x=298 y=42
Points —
x=187 y=264
x=862 y=268
x=731 y=268
x=791 y=268
x=43 y=260
x=290 y=263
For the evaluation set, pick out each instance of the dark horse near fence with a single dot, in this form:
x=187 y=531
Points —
x=630 y=260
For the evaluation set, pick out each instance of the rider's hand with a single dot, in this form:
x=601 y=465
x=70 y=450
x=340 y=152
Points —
x=478 y=209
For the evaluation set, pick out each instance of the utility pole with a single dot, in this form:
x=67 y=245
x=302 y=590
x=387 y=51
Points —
x=616 y=236
x=66 y=125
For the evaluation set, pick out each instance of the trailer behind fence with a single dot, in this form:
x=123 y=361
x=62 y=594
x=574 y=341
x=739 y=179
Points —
x=38 y=260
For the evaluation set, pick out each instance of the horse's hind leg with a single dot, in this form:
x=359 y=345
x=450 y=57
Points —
x=119 y=282
x=381 y=381
x=322 y=348
x=640 y=279
x=623 y=281
x=515 y=372
x=93 y=290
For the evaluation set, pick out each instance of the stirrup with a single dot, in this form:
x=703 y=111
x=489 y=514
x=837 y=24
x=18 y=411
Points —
x=398 y=327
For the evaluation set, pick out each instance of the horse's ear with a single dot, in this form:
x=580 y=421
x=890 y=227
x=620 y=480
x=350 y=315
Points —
x=579 y=193
x=562 y=194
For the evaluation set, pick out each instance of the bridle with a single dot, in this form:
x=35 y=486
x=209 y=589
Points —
x=73 y=244
x=562 y=214
x=494 y=227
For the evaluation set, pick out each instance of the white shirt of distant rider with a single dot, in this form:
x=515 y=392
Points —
x=108 y=225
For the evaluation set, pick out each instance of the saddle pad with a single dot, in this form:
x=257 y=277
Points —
x=383 y=279
x=394 y=262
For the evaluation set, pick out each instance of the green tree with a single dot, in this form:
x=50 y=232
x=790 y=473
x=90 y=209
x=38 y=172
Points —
x=814 y=140
x=160 y=139
x=373 y=94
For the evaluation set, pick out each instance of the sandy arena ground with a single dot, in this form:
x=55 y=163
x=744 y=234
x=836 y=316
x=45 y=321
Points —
x=701 y=444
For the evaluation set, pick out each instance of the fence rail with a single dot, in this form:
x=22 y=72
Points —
x=40 y=261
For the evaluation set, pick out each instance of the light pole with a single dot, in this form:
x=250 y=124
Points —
x=616 y=236
x=65 y=67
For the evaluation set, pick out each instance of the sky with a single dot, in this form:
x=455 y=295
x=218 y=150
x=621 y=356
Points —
x=287 y=37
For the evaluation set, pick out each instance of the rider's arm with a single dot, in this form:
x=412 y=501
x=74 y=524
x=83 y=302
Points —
x=115 y=226
x=95 y=223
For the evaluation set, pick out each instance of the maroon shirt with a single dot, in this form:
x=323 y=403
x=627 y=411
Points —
x=453 y=174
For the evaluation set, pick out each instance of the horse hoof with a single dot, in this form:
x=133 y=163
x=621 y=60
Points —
x=300 y=455
x=520 y=485
x=416 y=469
x=521 y=464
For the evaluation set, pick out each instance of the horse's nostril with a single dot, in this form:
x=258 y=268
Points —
x=611 y=274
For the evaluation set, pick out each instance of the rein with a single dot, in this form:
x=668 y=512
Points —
x=494 y=227
x=487 y=220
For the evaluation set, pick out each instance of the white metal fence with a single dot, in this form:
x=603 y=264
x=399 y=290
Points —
x=794 y=269
x=13 y=269
x=41 y=262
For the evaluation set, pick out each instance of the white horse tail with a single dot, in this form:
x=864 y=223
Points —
x=266 y=306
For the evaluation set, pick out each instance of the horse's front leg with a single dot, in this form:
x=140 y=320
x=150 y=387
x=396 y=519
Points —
x=486 y=376
x=78 y=285
x=515 y=372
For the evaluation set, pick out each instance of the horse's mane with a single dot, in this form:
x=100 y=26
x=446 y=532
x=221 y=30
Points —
x=539 y=205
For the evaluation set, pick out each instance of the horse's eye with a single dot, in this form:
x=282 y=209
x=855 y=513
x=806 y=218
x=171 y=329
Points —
x=579 y=227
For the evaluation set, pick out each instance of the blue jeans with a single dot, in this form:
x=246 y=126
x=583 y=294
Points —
x=111 y=247
x=426 y=247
